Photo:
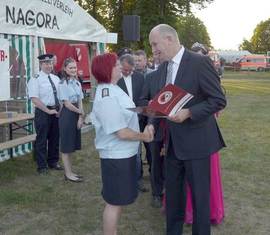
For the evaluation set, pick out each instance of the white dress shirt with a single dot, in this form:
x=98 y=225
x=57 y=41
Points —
x=176 y=62
x=128 y=85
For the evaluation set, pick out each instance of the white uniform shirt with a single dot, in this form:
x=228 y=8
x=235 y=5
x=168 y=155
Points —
x=110 y=115
x=40 y=87
x=70 y=90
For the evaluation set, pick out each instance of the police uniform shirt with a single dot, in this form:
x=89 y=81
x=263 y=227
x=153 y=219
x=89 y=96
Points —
x=70 y=90
x=40 y=87
x=110 y=115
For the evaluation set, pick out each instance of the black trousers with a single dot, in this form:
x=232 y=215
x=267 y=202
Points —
x=157 y=168
x=47 y=140
x=197 y=174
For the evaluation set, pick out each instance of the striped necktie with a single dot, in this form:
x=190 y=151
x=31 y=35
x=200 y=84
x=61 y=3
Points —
x=169 y=79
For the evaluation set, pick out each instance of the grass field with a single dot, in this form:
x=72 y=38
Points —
x=32 y=204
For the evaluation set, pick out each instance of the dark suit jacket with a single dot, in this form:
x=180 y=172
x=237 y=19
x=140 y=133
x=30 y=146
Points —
x=151 y=85
x=137 y=82
x=198 y=136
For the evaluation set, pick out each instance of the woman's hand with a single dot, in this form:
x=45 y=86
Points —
x=80 y=123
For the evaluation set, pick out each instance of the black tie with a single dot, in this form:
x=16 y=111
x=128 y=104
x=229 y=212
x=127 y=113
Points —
x=57 y=105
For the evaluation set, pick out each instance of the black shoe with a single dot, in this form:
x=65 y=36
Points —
x=43 y=171
x=56 y=167
x=77 y=180
x=156 y=202
x=141 y=187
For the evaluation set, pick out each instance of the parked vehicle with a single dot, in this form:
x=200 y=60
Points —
x=253 y=63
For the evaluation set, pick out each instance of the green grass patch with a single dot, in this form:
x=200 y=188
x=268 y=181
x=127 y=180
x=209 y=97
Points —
x=31 y=204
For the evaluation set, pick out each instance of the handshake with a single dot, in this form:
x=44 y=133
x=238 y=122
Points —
x=148 y=133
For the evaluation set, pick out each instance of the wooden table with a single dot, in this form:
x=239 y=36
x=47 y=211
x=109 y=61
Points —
x=13 y=126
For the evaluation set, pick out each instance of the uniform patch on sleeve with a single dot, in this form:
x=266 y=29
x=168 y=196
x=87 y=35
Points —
x=105 y=92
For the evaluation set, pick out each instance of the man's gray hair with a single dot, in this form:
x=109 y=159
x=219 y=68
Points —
x=127 y=58
x=165 y=29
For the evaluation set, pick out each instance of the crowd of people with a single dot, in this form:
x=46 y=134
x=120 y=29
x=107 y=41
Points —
x=181 y=150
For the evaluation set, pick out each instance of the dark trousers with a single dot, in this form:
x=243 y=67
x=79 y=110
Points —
x=47 y=140
x=148 y=155
x=157 y=168
x=197 y=174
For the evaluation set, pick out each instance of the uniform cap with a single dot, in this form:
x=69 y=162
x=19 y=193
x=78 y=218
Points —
x=45 y=57
x=198 y=46
x=124 y=51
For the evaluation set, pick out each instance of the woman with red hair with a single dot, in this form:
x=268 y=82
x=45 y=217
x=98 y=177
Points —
x=117 y=139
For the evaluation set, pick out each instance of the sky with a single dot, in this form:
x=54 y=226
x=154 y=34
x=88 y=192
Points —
x=228 y=22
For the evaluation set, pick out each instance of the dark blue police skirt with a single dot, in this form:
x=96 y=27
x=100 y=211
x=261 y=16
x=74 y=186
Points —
x=70 y=136
x=119 y=181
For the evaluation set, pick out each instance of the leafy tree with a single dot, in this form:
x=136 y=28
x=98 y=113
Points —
x=260 y=41
x=247 y=45
x=191 y=29
x=152 y=12
x=96 y=8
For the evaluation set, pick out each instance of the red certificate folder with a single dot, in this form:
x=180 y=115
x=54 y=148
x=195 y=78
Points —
x=166 y=103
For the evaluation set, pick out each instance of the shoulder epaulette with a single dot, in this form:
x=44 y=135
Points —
x=105 y=92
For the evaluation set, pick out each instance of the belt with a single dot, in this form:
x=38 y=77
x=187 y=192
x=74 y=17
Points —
x=53 y=107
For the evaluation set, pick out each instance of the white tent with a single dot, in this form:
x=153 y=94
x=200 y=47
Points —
x=59 y=19
x=23 y=26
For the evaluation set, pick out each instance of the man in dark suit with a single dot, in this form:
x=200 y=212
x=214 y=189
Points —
x=132 y=83
x=192 y=134
x=157 y=165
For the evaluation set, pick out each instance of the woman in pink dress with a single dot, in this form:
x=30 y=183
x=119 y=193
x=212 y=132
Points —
x=216 y=195
x=216 y=191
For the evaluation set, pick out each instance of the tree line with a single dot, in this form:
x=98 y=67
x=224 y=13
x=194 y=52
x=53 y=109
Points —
x=260 y=40
x=176 y=13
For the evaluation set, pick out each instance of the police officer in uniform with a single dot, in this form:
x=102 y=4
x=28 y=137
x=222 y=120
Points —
x=42 y=90
x=117 y=139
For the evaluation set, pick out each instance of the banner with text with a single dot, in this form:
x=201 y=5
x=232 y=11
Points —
x=4 y=70
x=59 y=19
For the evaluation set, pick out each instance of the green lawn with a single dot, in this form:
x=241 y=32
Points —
x=32 y=204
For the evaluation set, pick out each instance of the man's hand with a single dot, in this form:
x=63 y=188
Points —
x=180 y=116
x=148 y=133
x=52 y=112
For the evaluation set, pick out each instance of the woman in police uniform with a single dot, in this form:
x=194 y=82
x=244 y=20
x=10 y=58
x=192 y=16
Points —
x=117 y=139
x=71 y=116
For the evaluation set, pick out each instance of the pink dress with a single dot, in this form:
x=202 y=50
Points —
x=216 y=195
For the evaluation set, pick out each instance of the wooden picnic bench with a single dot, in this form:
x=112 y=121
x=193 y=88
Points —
x=13 y=126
